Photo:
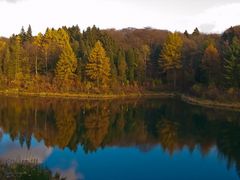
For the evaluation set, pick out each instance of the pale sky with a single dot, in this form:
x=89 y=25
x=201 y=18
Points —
x=209 y=16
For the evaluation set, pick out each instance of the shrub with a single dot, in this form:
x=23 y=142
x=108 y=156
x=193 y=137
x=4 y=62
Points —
x=197 y=90
x=212 y=92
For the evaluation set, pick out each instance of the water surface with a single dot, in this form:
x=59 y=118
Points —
x=122 y=139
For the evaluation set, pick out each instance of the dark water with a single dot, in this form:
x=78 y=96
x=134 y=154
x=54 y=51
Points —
x=120 y=140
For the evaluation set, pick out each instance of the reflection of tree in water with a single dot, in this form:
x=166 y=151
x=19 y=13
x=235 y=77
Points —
x=228 y=144
x=66 y=125
x=142 y=124
x=1 y=134
x=238 y=168
x=168 y=134
x=96 y=123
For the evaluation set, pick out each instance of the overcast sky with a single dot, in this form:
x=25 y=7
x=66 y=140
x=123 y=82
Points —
x=175 y=15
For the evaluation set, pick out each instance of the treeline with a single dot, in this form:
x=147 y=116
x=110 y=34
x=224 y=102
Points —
x=121 y=61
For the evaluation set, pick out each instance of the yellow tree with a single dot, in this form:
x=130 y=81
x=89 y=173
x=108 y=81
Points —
x=46 y=41
x=52 y=44
x=66 y=66
x=98 y=67
x=211 y=63
x=171 y=55
x=37 y=45
x=2 y=51
x=17 y=57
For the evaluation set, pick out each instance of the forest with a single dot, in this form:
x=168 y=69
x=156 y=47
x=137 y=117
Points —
x=130 y=60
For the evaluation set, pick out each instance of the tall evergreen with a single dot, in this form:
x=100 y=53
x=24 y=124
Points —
x=29 y=33
x=232 y=63
x=67 y=65
x=98 y=67
x=130 y=57
x=2 y=51
x=17 y=57
x=196 y=32
x=23 y=35
x=122 y=66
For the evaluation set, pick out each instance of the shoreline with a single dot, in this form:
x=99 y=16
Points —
x=81 y=96
x=210 y=103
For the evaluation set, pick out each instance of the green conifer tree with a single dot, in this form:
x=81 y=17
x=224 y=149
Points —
x=122 y=67
x=232 y=63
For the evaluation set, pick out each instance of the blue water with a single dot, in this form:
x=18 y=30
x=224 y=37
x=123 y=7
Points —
x=197 y=145
x=117 y=163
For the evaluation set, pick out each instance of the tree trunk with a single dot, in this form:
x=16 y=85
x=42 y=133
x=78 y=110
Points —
x=36 y=64
x=98 y=82
x=175 y=78
x=46 y=62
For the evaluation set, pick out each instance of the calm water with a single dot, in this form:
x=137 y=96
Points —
x=120 y=140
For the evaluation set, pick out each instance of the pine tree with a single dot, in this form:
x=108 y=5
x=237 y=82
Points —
x=98 y=67
x=23 y=35
x=2 y=51
x=196 y=32
x=131 y=64
x=9 y=65
x=52 y=44
x=171 y=55
x=122 y=67
x=186 y=33
x=16 y=57
x=143 y=59
x=232 y=63
x=29 y=33
x=66 y=67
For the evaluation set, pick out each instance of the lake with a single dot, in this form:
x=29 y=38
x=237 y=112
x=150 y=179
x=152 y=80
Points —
x=134 y=139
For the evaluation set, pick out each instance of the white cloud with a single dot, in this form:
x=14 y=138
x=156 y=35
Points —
x=14 y=153
x=70 y=173
x=216 y=19
x=11 y=1
x=214 y=16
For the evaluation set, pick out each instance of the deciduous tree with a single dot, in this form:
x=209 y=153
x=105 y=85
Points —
x=171 y=55
x=211 y=64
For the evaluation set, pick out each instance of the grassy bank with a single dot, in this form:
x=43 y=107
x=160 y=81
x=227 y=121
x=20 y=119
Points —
x=85 y=96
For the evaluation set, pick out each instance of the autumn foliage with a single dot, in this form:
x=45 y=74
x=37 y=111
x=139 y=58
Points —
x=120 y=61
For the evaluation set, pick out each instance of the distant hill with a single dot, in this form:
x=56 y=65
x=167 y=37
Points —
x=231 y=32
x=132 y=37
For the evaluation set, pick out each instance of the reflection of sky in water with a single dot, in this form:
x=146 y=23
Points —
x=122 y=163
x=13 y=150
